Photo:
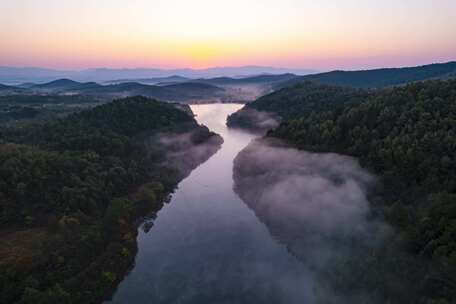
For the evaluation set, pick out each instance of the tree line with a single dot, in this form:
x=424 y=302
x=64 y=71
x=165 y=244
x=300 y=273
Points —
x=406 y=135
x=72 y=188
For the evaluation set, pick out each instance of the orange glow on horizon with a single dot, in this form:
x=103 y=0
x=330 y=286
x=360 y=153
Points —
x=203 y=33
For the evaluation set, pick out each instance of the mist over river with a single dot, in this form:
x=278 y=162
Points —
x=207 y=246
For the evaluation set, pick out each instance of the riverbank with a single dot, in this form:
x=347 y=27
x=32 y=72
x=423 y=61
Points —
x=75 y=185
x=206 y=245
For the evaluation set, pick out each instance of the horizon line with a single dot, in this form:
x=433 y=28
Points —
x=224 y=67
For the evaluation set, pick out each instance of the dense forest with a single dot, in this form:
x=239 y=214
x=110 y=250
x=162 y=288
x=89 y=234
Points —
x=24 y=109
x=292 y=102
x=407 y=136
x=71 y=190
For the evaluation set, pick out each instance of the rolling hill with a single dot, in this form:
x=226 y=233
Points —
x=175 y=92
x=180 y=92
x=8 y=90
x=379 y=78
x=110 y=156
x=195 y=89
x=13 y=75
x=405 y=135
x=152 y=81
x=4 y=87
x=64 y=85
x=60 y=84
x=292 y=102
x=259 y=79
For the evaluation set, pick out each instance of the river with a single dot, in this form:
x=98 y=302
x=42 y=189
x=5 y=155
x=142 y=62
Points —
x=207 y=246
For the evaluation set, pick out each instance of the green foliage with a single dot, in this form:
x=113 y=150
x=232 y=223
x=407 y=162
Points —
x=407 y=136
x=305 y=97
x=74 y=176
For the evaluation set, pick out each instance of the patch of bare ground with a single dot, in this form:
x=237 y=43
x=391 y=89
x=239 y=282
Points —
x=21 y=248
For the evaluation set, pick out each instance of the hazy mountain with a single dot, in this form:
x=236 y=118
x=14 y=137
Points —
x=259 y=79
x=26 y=85
x=57 y=84
x=110 y=74
x=63 y=86
x=154 y=80
x=380 y=77
x=249 y=88
x=127 y=89
x=4 y=87
x=176 y=89
x=6 y=90
x=182 y=92
x=194 y=88
x=12 y=75
x=46 y=99
x=67 y=86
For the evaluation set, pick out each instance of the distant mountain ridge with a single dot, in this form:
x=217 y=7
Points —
x=13 y=75
x=379 y=78
x=177 y=88
x=174 y=88
x=63 y=84
x=180 y=92
x=152 y=80
x=2 y=86
x=264 y=78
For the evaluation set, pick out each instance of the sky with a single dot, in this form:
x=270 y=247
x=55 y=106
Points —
x=321 y=35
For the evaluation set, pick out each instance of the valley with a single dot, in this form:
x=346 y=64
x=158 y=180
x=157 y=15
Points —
x=308 y=190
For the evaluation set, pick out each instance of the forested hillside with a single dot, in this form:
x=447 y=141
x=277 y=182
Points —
x=407 y=136
x=292 y=102
x=71 y=190
x=379 y=78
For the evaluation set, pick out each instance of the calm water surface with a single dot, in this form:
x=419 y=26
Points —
x=207 y=246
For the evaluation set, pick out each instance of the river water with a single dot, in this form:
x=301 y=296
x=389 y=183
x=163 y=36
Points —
x=207 y=246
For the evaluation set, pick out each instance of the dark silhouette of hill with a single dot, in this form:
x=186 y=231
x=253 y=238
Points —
x=15 y=75
x=4 y=87
x=194 y=88
x=181 y=89
x=379 y=78
x=174 y=92
x=153 y=80
x=57 y=85
x=187 y=91
x=7 y=90
x=259 y=79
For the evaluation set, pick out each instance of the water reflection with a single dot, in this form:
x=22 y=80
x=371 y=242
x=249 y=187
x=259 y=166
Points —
x=207 y=246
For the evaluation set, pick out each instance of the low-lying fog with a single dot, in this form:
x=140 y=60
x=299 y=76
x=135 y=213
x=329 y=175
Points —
x=286 y=230
x=316 y=205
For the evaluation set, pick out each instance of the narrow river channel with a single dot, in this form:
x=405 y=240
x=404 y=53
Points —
x=207 y=246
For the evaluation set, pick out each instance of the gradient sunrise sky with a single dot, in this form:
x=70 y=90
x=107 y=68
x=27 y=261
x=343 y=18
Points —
x=323 y=35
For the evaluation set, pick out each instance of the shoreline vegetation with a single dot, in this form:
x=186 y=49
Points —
x=406 y=136
x=74 y=190
x=78 y=175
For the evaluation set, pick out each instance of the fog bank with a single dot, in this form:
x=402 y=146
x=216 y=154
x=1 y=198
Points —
x=315 y=204
x=253 y=120
x=183 y=151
